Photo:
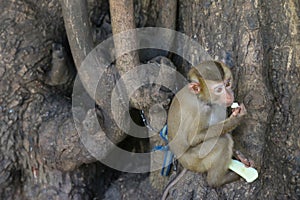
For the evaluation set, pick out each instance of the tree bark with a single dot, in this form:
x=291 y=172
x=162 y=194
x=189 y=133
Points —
x=122 y=19
x=78 y=29
x=243 y=35
x=41 y=154
x=38 y=136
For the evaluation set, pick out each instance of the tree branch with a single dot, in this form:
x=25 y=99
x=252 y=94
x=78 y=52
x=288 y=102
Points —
x=78 y=29
x=122 y=19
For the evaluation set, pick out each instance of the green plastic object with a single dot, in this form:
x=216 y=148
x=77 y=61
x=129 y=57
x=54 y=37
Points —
x=248 y=173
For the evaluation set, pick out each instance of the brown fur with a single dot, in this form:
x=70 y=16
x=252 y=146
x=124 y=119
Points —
x=198 y=129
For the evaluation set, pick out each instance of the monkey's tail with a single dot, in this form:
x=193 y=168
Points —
x=166 y=192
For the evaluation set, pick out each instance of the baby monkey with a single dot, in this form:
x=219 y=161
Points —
x=198 y=127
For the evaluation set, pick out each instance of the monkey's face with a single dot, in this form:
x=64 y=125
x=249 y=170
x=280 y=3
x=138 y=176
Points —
x=220 y=92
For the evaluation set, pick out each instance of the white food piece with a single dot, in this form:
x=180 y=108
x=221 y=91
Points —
x=248 y=173
x=235 y=105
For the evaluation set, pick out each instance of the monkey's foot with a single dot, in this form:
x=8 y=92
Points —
x=248 y=173
x=243 y=159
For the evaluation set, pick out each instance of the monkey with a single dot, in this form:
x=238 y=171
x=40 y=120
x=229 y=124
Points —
x=198 y=129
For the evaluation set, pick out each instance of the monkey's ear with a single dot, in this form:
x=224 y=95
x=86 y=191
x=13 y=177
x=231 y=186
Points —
x=195 y=87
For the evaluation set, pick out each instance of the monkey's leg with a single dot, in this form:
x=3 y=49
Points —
x=220 y=157
x=229 y=178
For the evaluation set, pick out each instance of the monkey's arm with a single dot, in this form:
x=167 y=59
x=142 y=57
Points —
x=220 y=128
x=215 y=130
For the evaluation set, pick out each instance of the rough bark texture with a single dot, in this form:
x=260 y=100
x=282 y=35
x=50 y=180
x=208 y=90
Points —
x=261 y=46
x=78 y=28
x=281 y=54
x=122 y=18
x=31 y=112
x=41 y=155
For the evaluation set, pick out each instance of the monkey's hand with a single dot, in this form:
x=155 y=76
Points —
x=239 y=111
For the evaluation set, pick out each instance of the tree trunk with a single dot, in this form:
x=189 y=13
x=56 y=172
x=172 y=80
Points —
x=260 y=40
x=42 y=155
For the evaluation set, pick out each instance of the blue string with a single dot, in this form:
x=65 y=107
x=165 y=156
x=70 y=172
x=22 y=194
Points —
x=168 y=157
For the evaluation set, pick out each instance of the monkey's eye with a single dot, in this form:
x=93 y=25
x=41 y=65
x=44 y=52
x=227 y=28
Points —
x=228 y=83
x=219 y=89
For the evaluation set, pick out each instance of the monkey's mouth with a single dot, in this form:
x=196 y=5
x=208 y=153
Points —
x=229 y=103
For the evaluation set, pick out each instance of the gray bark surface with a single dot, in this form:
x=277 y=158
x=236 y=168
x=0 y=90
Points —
x=41 y=154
